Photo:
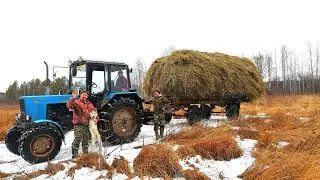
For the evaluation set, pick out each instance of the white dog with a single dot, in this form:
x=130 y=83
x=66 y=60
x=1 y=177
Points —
x=95 y=135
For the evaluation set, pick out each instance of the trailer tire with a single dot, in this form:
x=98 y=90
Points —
x=232 y=112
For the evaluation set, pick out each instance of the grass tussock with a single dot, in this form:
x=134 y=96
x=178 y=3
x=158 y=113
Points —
x=4 y=175
x=51 y=170
x=122 y=166
x=194 y=174
x=210 y=143
x=91 y=160
x=7 y=119
x=157 y=161
x=203 y=74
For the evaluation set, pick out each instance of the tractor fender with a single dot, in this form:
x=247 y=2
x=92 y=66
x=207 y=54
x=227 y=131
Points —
x=49 y=122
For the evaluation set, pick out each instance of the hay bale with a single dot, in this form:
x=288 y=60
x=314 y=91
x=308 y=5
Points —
x=193 y=74
x=157 y=161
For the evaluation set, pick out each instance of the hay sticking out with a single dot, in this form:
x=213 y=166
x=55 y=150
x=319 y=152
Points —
x=194 y=74
x=157 y=161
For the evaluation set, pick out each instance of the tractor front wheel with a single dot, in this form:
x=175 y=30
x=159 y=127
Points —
x=12 y=140
x=40 y=144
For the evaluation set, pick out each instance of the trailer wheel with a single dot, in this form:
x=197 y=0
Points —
x=207 y=112
x=232 y=111
x=194 y=114
x=12 y=140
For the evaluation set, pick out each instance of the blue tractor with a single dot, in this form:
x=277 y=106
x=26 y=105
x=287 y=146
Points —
x=38 y=132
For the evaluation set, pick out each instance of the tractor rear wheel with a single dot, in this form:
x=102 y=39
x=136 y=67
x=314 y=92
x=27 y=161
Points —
x=232 y=111
x=40 y=144
x=124 y=121
x=12 y=140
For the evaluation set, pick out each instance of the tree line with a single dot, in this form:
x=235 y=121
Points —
x=292 y=73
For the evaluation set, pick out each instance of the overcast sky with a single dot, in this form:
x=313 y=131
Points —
x=35 y=31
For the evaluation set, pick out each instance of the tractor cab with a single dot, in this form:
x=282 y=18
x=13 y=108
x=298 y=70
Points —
x=99 y=78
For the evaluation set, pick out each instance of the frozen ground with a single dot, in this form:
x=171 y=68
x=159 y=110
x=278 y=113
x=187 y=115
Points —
x=10 y=163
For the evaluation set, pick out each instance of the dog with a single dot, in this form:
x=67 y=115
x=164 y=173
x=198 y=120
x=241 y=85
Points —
x=95 y=135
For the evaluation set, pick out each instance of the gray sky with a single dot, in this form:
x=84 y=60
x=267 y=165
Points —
x=55 y=31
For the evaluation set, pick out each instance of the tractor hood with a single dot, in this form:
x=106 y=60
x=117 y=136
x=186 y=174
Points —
x=36 y=106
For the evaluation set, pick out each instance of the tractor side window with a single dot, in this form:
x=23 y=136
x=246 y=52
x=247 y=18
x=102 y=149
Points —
x=119 y=79
x=97 y=81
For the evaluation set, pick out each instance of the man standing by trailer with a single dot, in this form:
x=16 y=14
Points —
x=161 y=105
x=81 y=109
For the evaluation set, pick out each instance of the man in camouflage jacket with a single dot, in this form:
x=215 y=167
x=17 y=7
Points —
x=161 y=105
x=81 y=109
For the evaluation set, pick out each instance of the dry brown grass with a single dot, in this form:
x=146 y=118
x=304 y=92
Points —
x=4 y=175
x=91 y=160
x=300 y=159
x=157 y=161
x=210 y=143
x=122 y=166
x=7 y=114
x=51 y=170
x=194 y=174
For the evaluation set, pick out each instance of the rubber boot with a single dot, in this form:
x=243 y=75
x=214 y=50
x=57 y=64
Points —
x=74 y=153
x=161 y=131
x=156 y=132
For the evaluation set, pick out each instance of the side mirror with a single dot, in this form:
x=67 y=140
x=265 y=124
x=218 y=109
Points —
x=74 y=71
x=130 y=70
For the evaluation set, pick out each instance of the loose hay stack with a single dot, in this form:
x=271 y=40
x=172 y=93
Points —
x=193 y=74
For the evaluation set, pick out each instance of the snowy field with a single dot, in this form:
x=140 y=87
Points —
x=10 y=163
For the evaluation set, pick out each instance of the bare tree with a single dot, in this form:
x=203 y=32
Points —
x=168 y=51
x=268 y=60
x=261 y=64
x=284 y=60
x=139 y=72
x=311 y=67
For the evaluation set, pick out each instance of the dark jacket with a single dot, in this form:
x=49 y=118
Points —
x=161 y=104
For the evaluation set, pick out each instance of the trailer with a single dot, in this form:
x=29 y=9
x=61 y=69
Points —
x=199 y=108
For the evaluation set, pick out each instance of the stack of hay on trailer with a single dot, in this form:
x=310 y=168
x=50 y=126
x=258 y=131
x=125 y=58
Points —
x=188 y=74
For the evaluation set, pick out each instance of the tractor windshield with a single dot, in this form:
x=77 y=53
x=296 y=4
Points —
x=79 y=81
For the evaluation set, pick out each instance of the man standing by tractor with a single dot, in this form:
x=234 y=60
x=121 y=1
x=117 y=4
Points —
x=161 y=105
x=81 y=109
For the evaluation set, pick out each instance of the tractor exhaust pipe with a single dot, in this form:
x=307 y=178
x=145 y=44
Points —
x=47 y=71
x=47 y=79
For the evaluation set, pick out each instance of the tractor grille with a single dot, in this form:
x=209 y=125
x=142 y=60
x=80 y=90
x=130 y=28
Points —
x=22 y=106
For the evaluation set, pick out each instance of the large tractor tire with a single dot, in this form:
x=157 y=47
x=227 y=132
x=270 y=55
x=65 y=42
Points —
x=232 y=111
x=124 y=121
x=12 y=140
x=40 y=144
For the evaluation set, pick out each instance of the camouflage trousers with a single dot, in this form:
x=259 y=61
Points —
x=159 y=119
x=81 y=135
